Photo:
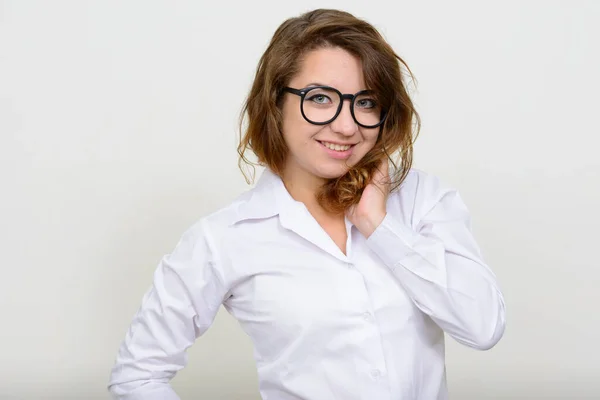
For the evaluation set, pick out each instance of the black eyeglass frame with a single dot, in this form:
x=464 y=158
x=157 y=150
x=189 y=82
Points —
x=351 y=97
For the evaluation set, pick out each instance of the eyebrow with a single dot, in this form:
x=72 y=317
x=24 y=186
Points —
x=322 y=84
x=316 y=84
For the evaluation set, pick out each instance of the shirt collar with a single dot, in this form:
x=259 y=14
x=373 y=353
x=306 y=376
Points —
x=265 y=200
x=270 y=198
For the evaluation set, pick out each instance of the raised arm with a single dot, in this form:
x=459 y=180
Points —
x=440 y=266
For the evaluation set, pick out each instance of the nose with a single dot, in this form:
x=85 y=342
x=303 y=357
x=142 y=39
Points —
x=344 y=123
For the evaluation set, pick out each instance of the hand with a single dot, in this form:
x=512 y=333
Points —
x=371 y=209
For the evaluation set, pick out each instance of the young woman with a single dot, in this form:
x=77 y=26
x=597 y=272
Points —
x=344 y=269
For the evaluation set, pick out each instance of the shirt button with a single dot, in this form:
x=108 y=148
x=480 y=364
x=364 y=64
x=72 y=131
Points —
x=367 y=316
x=375 y=373
x=349 y=265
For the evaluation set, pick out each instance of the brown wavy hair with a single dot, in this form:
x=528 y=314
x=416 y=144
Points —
x=384 y=73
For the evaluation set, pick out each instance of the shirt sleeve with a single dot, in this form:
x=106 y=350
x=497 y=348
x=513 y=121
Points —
x=180 y=305
x=440 y=266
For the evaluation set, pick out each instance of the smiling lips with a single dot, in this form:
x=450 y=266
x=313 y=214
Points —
x=336 y=147
x=337 y=151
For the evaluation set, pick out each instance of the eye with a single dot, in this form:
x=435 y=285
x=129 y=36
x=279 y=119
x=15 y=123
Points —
x=319 y=99
x=366 y=103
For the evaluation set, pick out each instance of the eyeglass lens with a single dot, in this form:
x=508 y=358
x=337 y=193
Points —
x=321 y=105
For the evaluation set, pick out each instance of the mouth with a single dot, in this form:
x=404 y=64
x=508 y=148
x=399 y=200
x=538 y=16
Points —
x=335 y=146
x=336 y=150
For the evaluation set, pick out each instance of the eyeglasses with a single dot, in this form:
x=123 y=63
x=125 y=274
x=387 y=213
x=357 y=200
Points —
x=321 y=105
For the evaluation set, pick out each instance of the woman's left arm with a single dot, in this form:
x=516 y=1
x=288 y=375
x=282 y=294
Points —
x=440 y=266
x=438 y=263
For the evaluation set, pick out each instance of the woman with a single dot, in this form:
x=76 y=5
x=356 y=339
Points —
x=344 y=273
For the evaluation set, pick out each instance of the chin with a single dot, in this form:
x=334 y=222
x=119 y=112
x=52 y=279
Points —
x=332 y=172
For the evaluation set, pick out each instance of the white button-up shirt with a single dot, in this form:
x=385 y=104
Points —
x=364 y=325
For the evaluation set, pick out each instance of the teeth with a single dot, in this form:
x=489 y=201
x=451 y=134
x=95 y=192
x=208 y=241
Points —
x=336 y=147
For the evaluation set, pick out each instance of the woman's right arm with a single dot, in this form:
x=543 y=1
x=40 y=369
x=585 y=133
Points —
x=187 y=291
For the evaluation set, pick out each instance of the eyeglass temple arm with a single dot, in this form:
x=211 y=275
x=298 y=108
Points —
x=292 y=90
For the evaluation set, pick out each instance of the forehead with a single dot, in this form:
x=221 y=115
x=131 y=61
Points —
x=333 y=67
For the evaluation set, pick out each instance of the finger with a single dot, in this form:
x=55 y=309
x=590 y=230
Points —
x=381 y=177
x=350 y=212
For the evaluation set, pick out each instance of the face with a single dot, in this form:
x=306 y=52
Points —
x=325 y=151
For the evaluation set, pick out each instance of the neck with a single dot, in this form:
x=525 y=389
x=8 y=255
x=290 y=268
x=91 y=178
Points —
x=303 y=187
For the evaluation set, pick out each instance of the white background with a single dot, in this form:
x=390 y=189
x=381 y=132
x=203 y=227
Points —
x=118 y=131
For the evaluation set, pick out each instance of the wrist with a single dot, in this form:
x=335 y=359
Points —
x=372 y=222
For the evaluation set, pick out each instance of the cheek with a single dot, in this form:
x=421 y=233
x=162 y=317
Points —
x=293 y=124
x=370 y=138
x=297 y=132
